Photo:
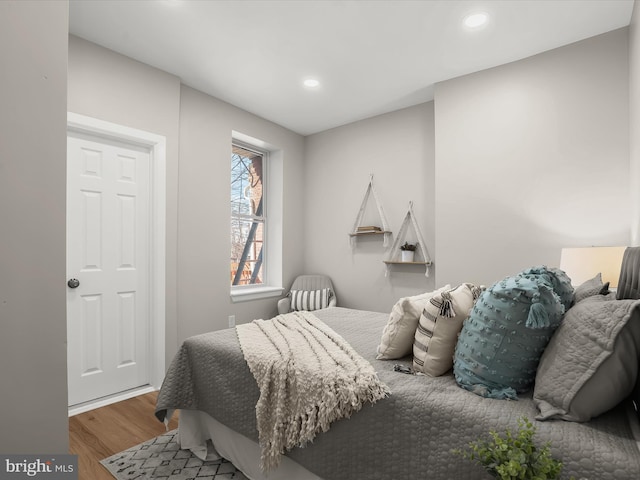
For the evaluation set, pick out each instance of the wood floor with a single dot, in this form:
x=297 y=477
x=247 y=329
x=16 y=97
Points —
x=100 y=433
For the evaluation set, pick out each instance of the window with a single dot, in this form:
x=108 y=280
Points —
x=256 y=220
x=248 y=215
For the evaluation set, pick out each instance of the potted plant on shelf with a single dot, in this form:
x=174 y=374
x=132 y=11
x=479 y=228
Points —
x=514 y=456
x=408 y=251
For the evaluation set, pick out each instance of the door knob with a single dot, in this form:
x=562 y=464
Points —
x=73 y=283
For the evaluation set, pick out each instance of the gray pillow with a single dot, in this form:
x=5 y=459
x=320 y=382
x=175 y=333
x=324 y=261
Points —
x=591 y=362
x=590 y=288
x=635 y=396
x=629 y=283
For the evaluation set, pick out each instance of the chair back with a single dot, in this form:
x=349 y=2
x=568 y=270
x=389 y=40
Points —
x=308 y=283
x=312 y=282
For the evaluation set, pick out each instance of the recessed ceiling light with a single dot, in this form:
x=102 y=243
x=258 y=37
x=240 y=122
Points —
x=311 y=83
x=476 y=20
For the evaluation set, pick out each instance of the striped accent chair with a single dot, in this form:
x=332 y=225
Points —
x=309 y=292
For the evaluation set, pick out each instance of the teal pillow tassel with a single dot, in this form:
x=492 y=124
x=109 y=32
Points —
x=499 y=393
x=538 y=316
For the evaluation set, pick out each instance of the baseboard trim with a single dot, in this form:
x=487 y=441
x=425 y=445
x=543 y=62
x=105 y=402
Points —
x=104 y=401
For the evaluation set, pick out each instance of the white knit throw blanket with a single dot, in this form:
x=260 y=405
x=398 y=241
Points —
x=308 y=376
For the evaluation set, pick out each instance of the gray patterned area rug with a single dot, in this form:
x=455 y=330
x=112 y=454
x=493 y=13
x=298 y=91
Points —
x=161 y=458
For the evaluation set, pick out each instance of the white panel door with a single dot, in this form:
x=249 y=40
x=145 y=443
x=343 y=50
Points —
x=108 y=253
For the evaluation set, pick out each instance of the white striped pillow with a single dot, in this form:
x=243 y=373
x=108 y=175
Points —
x=438 y=329
x=310 y=299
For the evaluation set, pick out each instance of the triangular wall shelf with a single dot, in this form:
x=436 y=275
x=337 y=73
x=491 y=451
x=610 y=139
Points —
x=392 y=259
x=359 y=230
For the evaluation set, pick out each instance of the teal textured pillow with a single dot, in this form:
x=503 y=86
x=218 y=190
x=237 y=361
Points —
x=556 y=278
x=501 y=342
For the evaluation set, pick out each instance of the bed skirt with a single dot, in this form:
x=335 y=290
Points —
x=197 y=427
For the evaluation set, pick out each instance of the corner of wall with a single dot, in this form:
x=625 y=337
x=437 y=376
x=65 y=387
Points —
x=33 y=355
x=634 y=122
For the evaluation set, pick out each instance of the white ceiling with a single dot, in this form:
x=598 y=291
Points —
x=372 y=57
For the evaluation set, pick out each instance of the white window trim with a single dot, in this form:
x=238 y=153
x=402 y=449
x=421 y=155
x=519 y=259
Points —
x=247 y=293
x=273 y=210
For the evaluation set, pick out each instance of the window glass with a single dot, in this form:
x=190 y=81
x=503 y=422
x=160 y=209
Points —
x=247 y=216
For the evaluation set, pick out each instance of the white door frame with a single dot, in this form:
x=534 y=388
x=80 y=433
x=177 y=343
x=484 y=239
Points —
x=157 y=145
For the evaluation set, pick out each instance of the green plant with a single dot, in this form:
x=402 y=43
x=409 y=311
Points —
x=408 y=247
x=514 y=456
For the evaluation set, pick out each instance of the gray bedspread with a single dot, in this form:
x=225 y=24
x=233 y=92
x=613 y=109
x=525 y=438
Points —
x=408 y=435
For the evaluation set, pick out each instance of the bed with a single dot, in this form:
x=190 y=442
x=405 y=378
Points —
x=410 y=434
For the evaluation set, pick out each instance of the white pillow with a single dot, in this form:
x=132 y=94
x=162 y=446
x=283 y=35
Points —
x=397 y=336
x=310 y=299
x=438 y=329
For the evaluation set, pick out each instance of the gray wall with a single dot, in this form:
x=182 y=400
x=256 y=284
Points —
x=33 y=353
x=398 y=149
x=206 y=126
x=531 y=157
x=543 y=165
x=198 y=128
x=634 y=121
x=117 y=89
x=547 y=133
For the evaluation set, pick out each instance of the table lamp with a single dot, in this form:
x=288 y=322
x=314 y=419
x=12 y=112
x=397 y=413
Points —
x=584 y=263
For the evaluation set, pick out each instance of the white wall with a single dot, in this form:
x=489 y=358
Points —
x=634 y=121
x=532 y=156
x=33 y=353
x=206 y=126
x=117 y=89
x=398 y=149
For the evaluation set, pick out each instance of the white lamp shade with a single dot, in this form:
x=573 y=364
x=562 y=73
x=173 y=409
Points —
x=584 y=263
